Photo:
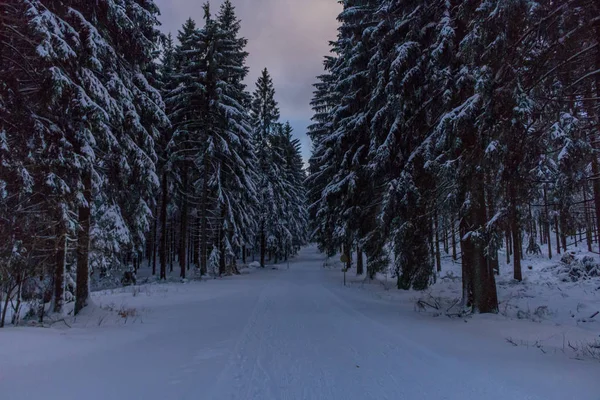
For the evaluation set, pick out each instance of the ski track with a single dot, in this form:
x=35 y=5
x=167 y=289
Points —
x=293 y=334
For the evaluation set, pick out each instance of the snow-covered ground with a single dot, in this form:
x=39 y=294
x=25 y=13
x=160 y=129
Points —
x=549 y=311
x=294 y=333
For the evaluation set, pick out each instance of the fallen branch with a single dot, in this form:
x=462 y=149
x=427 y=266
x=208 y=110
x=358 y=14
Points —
x=423 y=303
x=452 y=306
x=60 y=320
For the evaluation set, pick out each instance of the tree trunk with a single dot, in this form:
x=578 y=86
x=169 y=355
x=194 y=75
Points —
x=222 y=233
x=359 y=261
x=467 y=273
x=445 y=229
x=262 y=246
x=244 y=254
x=485 y=298
x=493 y=261
x=438 y=257
x=195 y=242
x=548 y=237
x=557 y=234
x=542 y=230
x=508 y=246
x=595 y=138
x=563 y=230
x=517 y=249
x=190 y=246
x=184 y=226
x=82 y=291
x=204 y=217
x=154 y=240
x=5 y=308
x=588 y=229
x=516 y=235
x=59 y=272
x=163 y=228
x=453 y=230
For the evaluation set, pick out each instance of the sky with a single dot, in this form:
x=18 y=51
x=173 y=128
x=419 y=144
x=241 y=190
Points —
x=289 y=37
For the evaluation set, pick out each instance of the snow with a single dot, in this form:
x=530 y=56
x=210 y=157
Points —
x=294 y=333
x=546 y=311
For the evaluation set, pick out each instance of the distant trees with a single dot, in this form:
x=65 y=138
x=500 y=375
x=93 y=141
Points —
x=468 y=122
x=99 y=173
x=282 y=217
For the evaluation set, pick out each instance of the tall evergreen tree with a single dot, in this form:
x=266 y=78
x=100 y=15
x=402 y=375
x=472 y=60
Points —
x=265 y=122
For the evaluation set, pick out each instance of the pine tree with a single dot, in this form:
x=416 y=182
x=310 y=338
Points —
x=236 y=158
x=212 y=134
x=265 y=118
x=167 y=83
x=321 y=168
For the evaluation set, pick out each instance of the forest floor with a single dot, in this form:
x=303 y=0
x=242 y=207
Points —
x=294 y=333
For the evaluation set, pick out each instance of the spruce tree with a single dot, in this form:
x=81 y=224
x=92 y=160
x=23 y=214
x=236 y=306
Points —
x=265 y=118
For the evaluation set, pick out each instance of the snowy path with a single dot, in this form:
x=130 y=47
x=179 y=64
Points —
x=287 y=334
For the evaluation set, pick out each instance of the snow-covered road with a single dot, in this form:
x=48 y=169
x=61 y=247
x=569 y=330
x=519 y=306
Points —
x=285 y=334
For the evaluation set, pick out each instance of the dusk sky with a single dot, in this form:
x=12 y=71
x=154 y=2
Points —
x=289 y=37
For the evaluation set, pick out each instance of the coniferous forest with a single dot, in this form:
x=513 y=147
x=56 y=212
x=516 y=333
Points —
x=315 y=199
x=121 y=147
x=466 y=125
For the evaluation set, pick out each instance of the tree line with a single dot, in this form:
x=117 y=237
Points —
x=120 y=147
x=470 y=125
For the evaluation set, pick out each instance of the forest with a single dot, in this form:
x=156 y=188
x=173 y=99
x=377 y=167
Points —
x=466 y=125
x=121 y=146
x=459 y=128
x=315 y=199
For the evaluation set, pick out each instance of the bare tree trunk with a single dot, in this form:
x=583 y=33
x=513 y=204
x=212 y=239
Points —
x=588 y=229
x=6 y=301
x=163 y=228
x=263 y=243
x=542 y=230
x=438 y=257
x=516 y=235
x=196 y=241
x=563 y=230
x=493 y=261
x=204 y=217
x=82 y=291
x=172 y=243
x=508 y=246
x=548 y=237
x=152 y=257
x=517 y=249
x=59 y=272
x=453 y=230
x=222 y=233
x=445 y=229
x=595 y=138
x=359 y=261
x=556 y=226
x=467 y=273
x=184 y=226
x=190 y=245
x=485 y=298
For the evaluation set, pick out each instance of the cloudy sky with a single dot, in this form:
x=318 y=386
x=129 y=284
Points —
x=289 y=37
